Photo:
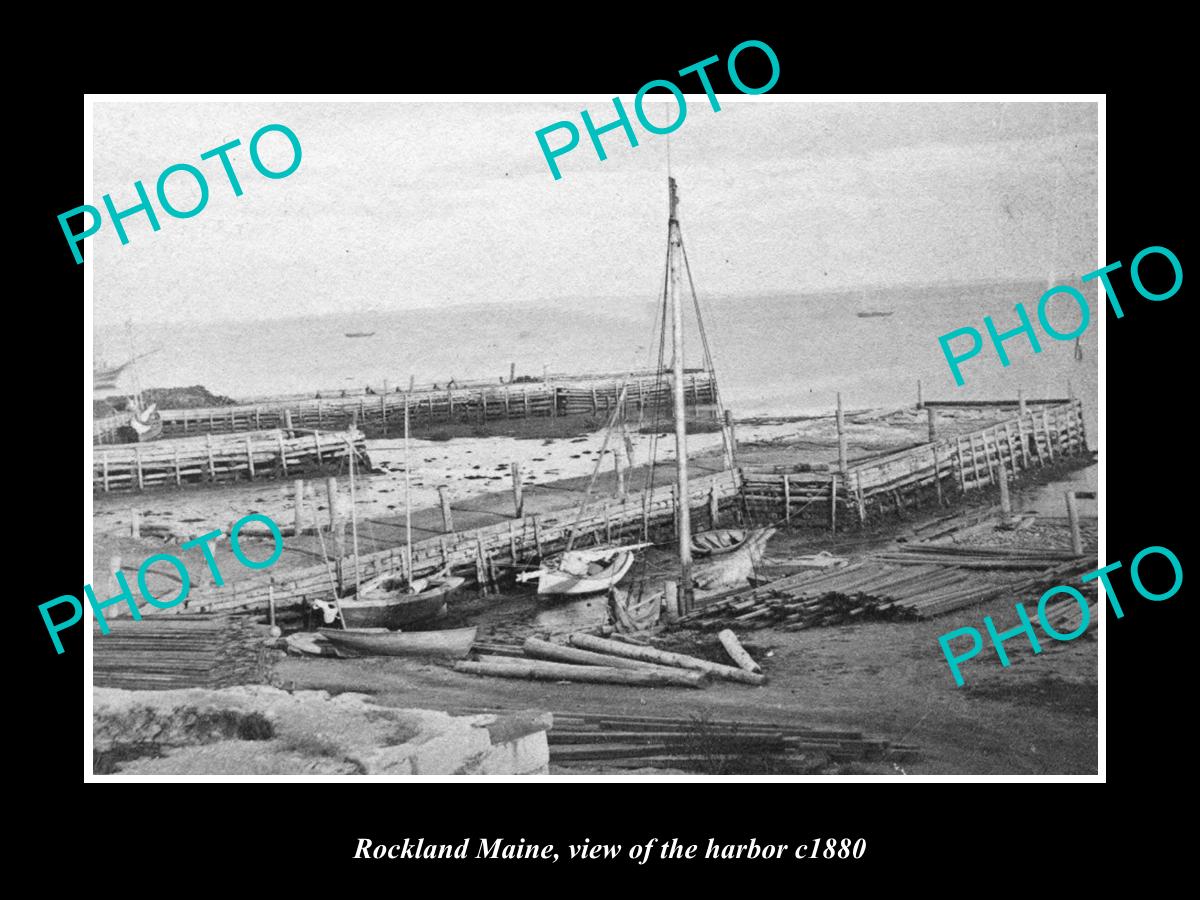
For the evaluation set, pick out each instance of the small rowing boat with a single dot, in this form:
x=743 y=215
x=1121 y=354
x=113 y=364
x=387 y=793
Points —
x=578 y=572
x=718 y=541
x=449 y=643
x=388 y=602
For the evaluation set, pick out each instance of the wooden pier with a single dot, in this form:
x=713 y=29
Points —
x=383 y=413
x=222 y=458
x=861 y=492
x=890 y=483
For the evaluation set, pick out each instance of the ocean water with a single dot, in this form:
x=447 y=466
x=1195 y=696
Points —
x=774 y=355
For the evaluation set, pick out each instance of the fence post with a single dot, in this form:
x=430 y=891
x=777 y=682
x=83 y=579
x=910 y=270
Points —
x=447 y=516
x=841 y=434
x=518 y=496
x=1073 y=520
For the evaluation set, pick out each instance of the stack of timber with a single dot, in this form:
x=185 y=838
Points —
x=890 y=483
x=594 y=740
x=899 y=586
x=380 y=413
x=167 y=652
x=475 y=552
x=220 y=458
x=591 y=659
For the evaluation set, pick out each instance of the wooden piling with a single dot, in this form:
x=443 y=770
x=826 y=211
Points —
x=841 y=434
x=1005 y=500
x=937 y=475
x=1073 y=521
x=787 y=499
x=732 y=438
x=920 y=401
x=670 y=601
x=447 y=515
x=287 y=423
x=833 y=488
x=537 y=535
x=512 y=372
x=481 y=572
x=518 y=495
x=932 y=414
x=331 y=492
x=212 y=463
x=300 y=520
x=714 y=509
x=249 y=457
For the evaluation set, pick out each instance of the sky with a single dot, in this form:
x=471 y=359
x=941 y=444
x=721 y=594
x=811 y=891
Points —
x=415 y=205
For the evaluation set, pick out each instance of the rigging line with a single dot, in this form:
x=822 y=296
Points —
x=612 y=422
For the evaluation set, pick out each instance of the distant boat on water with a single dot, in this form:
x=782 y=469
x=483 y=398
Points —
x=874 y=314
x=353 y=334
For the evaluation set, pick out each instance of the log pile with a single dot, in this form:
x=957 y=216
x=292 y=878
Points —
x=166 y=652
x=726 y=747
x=898 y=586
x=595 y=660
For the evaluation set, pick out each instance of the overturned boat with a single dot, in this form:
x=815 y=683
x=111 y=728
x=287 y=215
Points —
x=450 y=643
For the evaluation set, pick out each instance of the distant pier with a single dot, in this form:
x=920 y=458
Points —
x=381 y=412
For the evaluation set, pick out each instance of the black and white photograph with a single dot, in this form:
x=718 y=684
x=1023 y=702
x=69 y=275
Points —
x=435 y=437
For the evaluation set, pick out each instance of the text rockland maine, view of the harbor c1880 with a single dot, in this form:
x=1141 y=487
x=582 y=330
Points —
x=653 y=468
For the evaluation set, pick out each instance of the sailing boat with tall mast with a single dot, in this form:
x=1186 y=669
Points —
x=720 y=546
x=392 y=600
x=132 y=420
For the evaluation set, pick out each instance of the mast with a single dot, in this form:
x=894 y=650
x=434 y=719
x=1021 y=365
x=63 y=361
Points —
x=408 y=559
x=684 y=512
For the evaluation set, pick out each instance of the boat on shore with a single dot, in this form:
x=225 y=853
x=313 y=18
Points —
x=387 y=601
x=359 y=334
x=875 y=314
x=718 y=541
x=449 y=643
x=578 y=572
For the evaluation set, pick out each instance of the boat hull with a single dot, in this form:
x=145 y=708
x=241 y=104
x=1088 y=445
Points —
x=556 y=583
x=718 y=542
x=378 y=608
x=451 y=643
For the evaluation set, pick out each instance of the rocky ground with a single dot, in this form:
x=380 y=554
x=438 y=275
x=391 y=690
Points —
x=262 y=730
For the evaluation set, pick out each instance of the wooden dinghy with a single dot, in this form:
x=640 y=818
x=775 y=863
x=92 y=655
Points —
x=384 y=602
x=450 y=643
x=578 y=572
x=719 y=541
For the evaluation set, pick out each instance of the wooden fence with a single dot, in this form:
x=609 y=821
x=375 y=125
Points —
x=379 y=414
x=480 y=551
x=888 y=483
x=215 y=458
